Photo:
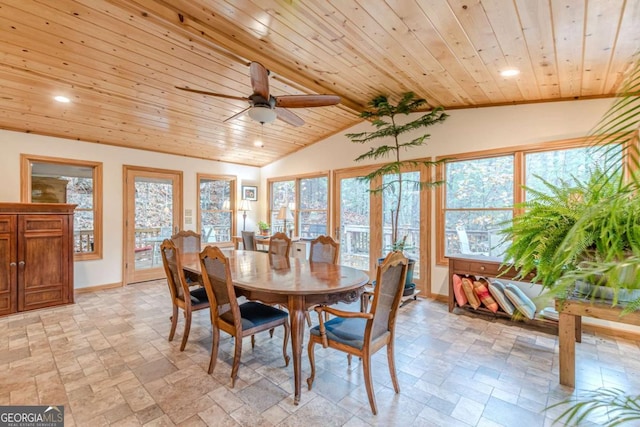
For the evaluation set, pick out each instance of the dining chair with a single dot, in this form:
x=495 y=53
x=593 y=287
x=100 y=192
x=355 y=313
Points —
x=227 y=315
x=324 y=249
x=280 y=244
x=248 y=240
x=363 y=334
x=188 y=242
x=178 y=287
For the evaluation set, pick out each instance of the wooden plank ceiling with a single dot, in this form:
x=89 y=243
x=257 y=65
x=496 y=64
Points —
x=120 y=60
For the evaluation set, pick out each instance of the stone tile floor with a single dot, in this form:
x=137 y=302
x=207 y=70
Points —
x=107 y=360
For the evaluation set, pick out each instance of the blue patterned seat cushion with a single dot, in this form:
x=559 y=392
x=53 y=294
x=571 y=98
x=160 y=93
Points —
x=255 y=314
x=346 y=331
x=198 y=296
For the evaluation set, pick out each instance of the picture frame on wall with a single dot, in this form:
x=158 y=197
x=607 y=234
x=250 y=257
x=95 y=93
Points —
x=249 y=192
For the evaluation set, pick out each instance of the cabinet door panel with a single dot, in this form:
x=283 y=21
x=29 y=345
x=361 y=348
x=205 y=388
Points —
x=44 y=276
x=8 y=261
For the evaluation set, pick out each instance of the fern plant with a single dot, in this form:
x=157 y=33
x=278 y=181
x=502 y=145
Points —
x=611 y=406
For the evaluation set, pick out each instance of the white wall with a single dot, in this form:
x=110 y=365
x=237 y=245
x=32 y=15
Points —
x=109 y=269
x=465 y=131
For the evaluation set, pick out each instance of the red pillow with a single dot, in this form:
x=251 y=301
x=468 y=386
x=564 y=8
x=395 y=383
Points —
x=461 y=298
x=481 y=289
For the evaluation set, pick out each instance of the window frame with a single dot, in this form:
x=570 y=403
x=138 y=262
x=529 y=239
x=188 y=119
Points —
x=519 y=174
x=232 y=201
x=296 y=209
x=25 y=195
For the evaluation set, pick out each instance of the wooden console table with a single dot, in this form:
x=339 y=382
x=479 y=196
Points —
x=570 y=320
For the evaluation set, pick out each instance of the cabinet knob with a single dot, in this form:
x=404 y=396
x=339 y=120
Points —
x=12 y=264
x=482 y=267
x=21 y=263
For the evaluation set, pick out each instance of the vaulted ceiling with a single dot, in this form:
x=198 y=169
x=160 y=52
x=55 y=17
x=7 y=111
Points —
x=120 y=60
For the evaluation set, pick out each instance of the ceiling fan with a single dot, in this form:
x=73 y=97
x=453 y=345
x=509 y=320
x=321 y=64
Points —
x=264 y=107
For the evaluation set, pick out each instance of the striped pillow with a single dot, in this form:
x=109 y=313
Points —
x=522 y=302
x=480 y=289
x=496 y=288
x=467 y=287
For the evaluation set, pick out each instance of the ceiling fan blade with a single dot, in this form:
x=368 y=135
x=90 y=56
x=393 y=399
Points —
x=259 y=79
x=219 y=95
x=289 y=117
x=236 y=115
x=302 y=101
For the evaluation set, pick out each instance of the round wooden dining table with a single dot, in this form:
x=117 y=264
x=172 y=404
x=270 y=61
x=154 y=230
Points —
x=292 y=282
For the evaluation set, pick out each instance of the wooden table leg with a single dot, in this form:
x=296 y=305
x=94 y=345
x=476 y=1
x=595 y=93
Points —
x=567 y=349
x=297 y=311
x=578 y=328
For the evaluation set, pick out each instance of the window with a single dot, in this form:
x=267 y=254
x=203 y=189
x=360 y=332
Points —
x=216 y=208
x=56 y=180
x=479 y=197
x=312 y=215
x=306 y=198
x=480 y=192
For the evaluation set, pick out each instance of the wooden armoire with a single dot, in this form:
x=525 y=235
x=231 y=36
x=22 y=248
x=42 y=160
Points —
x=36 y=255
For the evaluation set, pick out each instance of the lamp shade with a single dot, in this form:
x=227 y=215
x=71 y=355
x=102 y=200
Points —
x=262 y=114
x=245 y=205
x=226 y=205
x=285 y=214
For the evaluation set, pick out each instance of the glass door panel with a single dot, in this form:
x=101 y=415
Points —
x=408 y=218
x=153 y=207
x=353 y=222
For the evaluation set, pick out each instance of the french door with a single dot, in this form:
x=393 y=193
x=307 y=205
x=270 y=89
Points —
x=152 y=212
x=363 y=221
x=353 y=221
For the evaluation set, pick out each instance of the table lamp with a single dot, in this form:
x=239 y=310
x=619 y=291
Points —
x=285 y=215
x=244 y=207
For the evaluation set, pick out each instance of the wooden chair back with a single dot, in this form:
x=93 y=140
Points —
x=173 y=269
x=248 y=240
x=324 y=249
x=280 y=244
x=187 y=241
x=387 y=294
x=216 y=279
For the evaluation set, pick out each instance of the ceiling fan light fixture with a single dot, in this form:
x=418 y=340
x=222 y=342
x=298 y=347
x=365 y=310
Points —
x=262 y=114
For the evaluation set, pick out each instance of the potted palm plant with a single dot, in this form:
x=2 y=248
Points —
x=385 y=117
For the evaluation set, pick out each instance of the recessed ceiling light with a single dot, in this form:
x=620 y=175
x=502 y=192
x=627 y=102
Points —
x=61 y=98
x=509 y=72
x=258 y=143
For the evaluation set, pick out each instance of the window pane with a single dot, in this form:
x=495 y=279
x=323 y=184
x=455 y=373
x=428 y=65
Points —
x=354 y=223
x=283 y=194
x=215 y=209
x=83 y=231
x=67 y=183
x=409 y=217
x=474 y=232
x=216 y=227
x=213 y=193
x=566 y=165
x=313 y=224
x=480 y=183
x=313 y=193
x=313 y=206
